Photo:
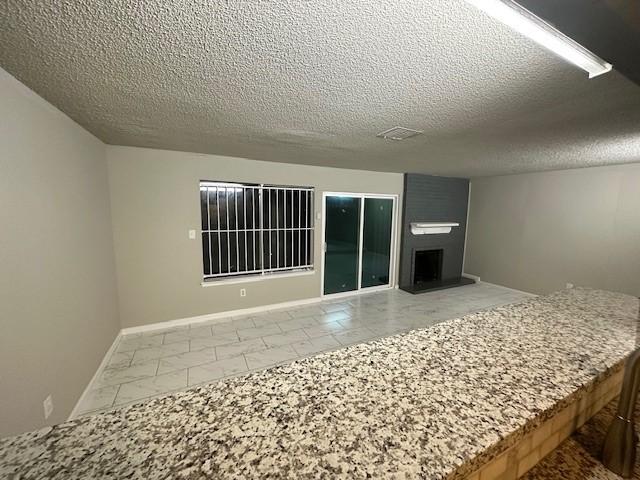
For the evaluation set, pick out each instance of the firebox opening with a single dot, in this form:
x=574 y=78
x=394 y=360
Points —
x=427 y=266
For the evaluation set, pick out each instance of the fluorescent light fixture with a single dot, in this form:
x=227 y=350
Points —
x=522 y=20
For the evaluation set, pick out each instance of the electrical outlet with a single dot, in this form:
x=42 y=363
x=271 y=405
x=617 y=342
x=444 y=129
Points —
x=48 y=406
x=243 y=292
x=569 y=285
x=192 y=234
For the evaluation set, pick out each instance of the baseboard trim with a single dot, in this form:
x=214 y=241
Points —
x=220 y=316
x=105 y=360
x=512 y=289
x=472 y=277
x=477 y=279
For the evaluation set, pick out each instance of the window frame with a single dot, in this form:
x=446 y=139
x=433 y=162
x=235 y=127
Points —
x=260 y=227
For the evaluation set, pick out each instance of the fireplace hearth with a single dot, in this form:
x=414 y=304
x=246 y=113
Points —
x=426 y=272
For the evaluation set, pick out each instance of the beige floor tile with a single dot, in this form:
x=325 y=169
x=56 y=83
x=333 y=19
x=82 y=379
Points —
x=186 y=360
x=121 y=375
x=263 y=331
x=285 y=338
x=272 y=356
x=216 y=370
x=146 y=354
x=239 y=348
x=316 y=345
x=143 y=367
x=213 y=341
x=148 y=387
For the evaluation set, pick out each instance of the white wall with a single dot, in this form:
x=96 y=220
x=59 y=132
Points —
x=58 y=304
x=539 y=231
x=155 y=201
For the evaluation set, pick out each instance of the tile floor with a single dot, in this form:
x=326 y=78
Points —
x=155 y=363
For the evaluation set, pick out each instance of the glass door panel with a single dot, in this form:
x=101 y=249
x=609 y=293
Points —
x=342 y=239
x=376 y=241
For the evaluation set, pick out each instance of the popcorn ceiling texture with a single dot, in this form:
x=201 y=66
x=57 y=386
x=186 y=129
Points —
x=313 y=81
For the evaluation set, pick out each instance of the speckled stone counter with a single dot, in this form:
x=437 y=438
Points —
x=432 y=403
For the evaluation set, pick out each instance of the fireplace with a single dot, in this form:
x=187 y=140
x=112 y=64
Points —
x=426 y=272
x=427 y=266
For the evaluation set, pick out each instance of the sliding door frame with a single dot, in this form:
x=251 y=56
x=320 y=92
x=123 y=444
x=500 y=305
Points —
x=393 y=253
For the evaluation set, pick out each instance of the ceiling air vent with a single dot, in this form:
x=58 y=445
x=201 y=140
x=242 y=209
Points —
x=399 y=133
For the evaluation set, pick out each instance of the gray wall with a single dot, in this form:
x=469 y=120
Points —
x=434 y=199
x=155 y=201
x=58 y=305
x=539 y=231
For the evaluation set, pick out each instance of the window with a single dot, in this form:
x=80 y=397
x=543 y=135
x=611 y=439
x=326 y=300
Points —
x=255 y=229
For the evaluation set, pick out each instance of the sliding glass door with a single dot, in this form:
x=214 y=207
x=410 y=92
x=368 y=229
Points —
x=376 y=241
x=342 y=240
x=358 y=242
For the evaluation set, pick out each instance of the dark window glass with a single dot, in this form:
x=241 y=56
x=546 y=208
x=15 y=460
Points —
x=296 y=248
x=281 y=249
x=376 y=241
x=250 y=250
x=204 y=221
x=221 y=211
x=242 y=252
x=288 y=208
x=224 y=253
x=281 y=208
x=232 y=216
x=205 y=254
x=342 y=238
x=309 y=248
x=215 y=259
x=273 y=249
x=212 y=211
x=231 y=206
x=250 y=213
x=242 y=212
x=256 y=209
x=233 y=251
x=296 y=209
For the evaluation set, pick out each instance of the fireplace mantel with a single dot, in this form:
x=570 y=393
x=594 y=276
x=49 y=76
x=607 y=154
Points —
x=430 y=228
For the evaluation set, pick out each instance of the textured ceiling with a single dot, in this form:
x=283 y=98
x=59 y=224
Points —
x=313 y=81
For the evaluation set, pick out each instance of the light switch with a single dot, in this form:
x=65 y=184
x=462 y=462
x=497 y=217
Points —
x=318 y=215
x=192 y=234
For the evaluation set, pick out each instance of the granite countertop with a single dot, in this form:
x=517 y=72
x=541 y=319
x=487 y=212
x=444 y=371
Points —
x=432 y=403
